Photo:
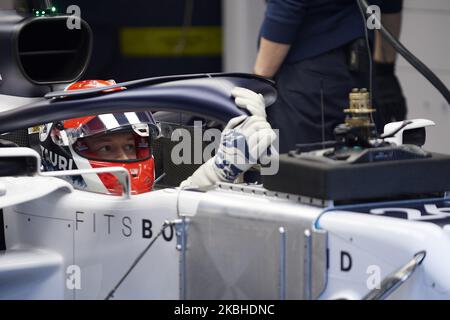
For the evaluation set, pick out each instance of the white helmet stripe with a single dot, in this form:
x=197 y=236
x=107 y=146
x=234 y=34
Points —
x=132 y=117
x=109 y=121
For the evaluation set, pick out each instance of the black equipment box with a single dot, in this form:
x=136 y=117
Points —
x=352 y=181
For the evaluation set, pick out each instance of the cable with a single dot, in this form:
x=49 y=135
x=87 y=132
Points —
x=159 y=178
x=163 y=227
x=322 y=111
x=369 y=53
x=412 y=59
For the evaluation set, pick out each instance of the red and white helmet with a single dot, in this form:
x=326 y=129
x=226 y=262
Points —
x=106 y=140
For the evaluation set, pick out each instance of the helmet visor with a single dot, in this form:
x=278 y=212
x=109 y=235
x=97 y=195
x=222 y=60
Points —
x=141 y=122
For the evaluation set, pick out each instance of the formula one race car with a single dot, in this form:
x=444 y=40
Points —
x=365 y=218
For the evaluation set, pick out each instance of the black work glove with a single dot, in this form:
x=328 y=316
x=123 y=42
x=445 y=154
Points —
x=388 y=96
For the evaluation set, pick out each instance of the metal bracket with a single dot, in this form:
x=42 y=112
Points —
x=282 y=232
x=308 y=265
x=181 y=236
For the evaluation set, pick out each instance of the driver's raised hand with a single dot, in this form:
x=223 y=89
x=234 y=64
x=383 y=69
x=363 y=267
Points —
x=250 y=100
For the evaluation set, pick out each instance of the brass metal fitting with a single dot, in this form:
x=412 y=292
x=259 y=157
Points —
x=359 y=111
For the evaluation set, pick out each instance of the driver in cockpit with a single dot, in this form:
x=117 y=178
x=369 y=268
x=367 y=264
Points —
x=124 y=140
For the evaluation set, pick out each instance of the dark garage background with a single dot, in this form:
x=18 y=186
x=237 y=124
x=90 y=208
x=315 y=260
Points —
x=108 y=17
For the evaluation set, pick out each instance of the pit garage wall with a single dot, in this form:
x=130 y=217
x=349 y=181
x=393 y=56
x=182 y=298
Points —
x=241 y=22
x=144 y=38
x=426 y=25
x=425 y=32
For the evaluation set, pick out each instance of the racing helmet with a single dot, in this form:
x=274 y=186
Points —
x=100 y=141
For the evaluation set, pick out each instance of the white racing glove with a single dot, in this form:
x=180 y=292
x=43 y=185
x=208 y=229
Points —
x=243 y=142
x=249 y=100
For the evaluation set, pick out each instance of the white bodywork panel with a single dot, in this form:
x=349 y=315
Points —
x=384 y=244
x=24 y=189
x=46 y=236
x=102 y=235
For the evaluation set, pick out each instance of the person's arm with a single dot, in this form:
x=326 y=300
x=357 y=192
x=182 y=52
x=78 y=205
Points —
x=388 y=95
x=270 y=57
x=383 y=51
x=278 y=32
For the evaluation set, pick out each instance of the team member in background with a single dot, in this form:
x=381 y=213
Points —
x=316 y=52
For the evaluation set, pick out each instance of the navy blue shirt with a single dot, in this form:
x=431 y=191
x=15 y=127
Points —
x=314 y=27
